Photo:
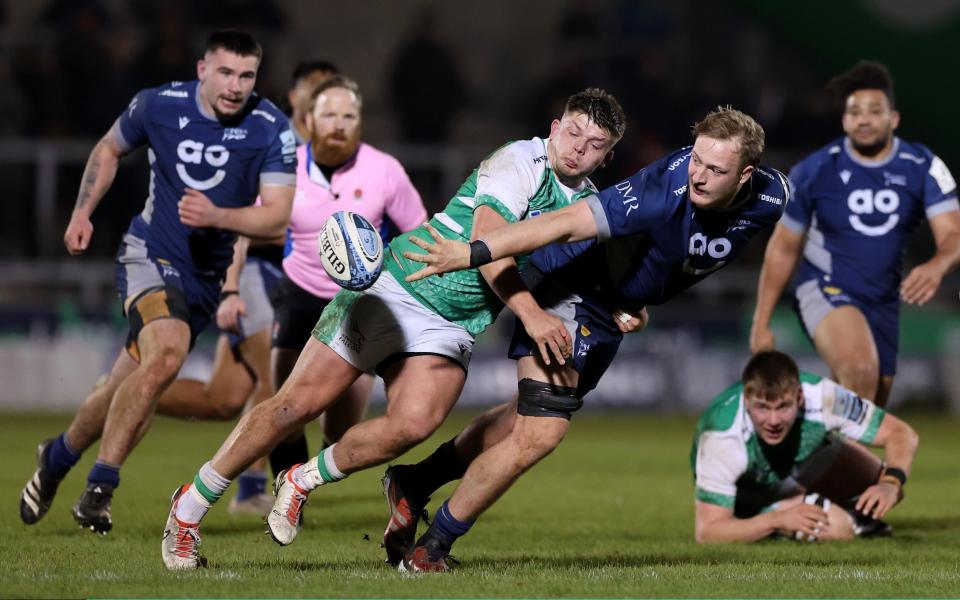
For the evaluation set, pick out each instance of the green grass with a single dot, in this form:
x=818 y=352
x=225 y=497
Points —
x=609 y=514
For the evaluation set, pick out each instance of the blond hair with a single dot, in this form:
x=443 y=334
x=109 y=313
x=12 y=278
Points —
x=727 y=123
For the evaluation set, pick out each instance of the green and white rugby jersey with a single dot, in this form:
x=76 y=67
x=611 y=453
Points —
x=727 y=450
x=517 y=182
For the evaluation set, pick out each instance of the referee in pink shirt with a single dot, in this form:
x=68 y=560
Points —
x=335 y=171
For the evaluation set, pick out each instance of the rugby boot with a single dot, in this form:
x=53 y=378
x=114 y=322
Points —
x=92 y=510
x=286 y=516
x=38 y=494
x=427 y=556
x=868 y=527
x=405 y=512
x=180 y=546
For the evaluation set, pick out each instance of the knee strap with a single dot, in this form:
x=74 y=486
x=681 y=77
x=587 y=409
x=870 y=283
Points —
x=539 y=399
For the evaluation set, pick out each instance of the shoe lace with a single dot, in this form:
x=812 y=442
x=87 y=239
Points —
x=296 y=502
x=187 y=541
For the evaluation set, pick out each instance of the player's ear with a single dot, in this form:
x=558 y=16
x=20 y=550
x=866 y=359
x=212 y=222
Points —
x=894 y=119
x=745 y=174
x=554 y=127
x=201 y=69
x=607 y=159
x=309 y=121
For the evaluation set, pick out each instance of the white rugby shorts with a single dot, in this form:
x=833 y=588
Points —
x=367 y=328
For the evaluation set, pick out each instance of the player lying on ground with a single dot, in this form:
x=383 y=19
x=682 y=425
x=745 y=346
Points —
x=668 y=239
x=767 y=442
x=419 y=336
x=856 y=203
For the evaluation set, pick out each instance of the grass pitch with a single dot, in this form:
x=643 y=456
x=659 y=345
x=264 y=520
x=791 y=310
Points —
x=609 y=514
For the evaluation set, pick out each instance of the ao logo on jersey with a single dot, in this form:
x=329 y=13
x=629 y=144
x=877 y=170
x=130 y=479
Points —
x=193 y=152
x=716 y=248
x=865 y=202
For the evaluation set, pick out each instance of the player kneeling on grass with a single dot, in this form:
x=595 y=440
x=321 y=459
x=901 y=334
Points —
x=771 y=457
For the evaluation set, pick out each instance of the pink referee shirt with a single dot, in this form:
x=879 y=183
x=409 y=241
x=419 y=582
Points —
x=373 y=184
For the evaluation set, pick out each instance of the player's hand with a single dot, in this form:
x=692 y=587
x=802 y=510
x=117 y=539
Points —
x=442 y=256
x=878 y=499
x=629 y=322
x=229 y=312
x=922 y=283
x=761 y=338
x=78 y=234
x=806 y=519
x=197 y=210
x=550 y=335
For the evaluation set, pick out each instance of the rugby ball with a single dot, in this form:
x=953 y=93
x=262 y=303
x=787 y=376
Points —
x=351 y=250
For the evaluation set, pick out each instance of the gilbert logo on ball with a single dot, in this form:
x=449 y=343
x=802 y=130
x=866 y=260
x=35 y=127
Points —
x=351 y=250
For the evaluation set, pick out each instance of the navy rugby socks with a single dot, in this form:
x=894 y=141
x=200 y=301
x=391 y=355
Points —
x=251 y=483
x=446 y=528
x=104 y=473
x=61 y=457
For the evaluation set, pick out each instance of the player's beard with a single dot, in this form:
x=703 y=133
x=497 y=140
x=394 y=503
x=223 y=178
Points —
x=875 y=148
x=332 y=155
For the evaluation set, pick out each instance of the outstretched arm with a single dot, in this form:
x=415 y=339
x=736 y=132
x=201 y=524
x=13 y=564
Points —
x=569 y=224
x=98 y=176
x=503 y=277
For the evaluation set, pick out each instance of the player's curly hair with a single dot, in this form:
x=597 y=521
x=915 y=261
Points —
x=865 y=75
x=336 y=81
x=601 y=107
x=770 y=375
x=240 y=43
x=727 y=123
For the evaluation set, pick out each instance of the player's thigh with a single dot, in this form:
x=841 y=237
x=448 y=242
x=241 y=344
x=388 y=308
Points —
x=163 y=345
x=421 y=389
x=319 y=377
x=533 y=367
x=843 y=338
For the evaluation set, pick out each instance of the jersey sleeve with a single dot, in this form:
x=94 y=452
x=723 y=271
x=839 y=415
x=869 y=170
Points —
x=721 y=460
x=131 y=127
x=854 y=417
x=404 y=206
x=639 y=204
x=798 y=211
x=505 y=182
x=280 y=165
x=939 y=189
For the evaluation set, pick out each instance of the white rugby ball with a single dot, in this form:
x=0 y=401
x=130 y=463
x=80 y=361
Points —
x=351 y=250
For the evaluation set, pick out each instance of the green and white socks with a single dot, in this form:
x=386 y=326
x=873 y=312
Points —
x=208 y=486
x=317 y=471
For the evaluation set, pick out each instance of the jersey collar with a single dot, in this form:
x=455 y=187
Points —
x=863 y=162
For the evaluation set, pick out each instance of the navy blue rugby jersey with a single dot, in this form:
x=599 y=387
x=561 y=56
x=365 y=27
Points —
x=653 y=242
x=189 y=148
x=858 y=215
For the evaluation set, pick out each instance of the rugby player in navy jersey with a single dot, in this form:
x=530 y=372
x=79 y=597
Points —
x=856 y=203
x=638 y=243
x=213 y=146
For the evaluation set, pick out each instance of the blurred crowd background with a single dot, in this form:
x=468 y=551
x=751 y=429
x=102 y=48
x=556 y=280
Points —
x=445 y=83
